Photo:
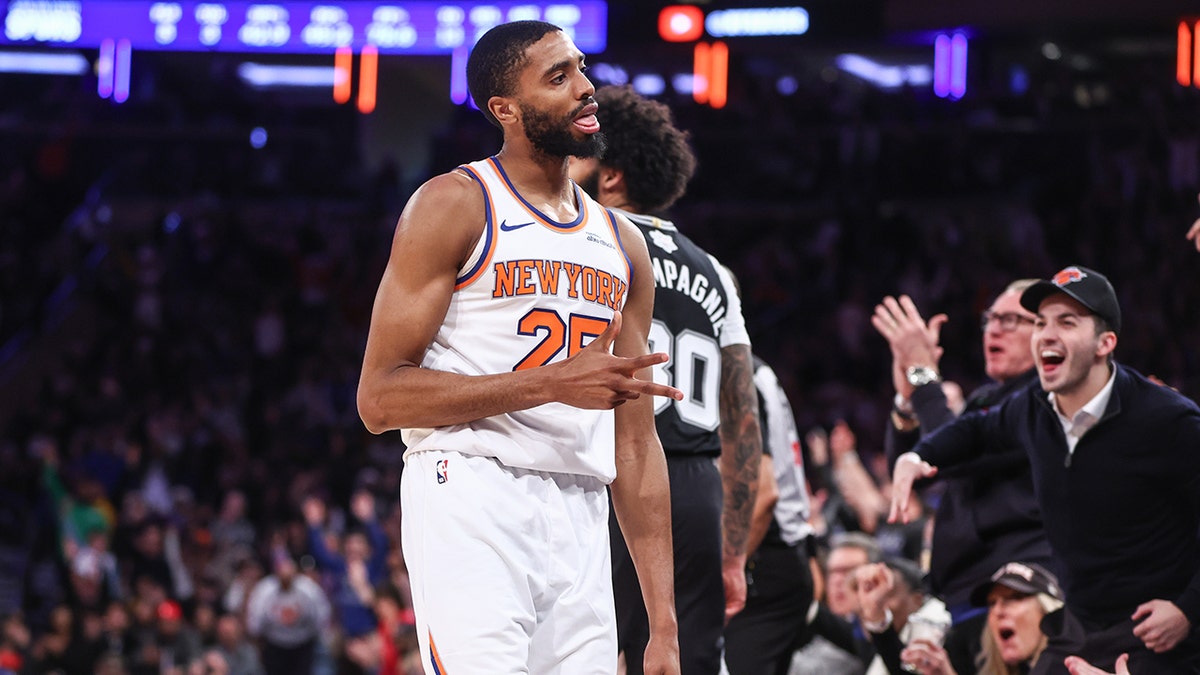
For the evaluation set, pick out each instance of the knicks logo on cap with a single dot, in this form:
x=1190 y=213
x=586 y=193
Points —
x=442 y=475
x=1068 y=276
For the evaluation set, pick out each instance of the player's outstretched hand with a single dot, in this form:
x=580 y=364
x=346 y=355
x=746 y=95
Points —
x=1078 y=666
x=909 y=469
x=596 y=378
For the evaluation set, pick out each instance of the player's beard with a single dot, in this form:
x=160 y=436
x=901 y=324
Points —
x=553 y=137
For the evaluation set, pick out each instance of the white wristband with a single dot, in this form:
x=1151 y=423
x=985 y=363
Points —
x=881 y=626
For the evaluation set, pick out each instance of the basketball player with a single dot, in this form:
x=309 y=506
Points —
x=698 y=321
x=489 y=347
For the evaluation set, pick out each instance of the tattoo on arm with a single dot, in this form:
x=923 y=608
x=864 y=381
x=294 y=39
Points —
x=741 y=446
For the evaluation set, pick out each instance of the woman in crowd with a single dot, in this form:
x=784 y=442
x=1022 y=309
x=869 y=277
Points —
x=1017 y=597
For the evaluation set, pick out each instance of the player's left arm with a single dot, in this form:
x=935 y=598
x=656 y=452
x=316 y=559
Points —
x=641 y=494
x=741 y=450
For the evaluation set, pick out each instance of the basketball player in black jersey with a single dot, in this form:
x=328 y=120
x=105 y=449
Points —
x=698 y=322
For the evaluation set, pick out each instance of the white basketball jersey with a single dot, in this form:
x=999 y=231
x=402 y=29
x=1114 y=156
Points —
x=534 y=291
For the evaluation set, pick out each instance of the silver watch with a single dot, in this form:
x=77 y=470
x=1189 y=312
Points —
x=919 y=376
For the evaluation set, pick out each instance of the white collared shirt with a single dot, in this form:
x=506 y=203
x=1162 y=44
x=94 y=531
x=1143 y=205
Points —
x=1088 y=415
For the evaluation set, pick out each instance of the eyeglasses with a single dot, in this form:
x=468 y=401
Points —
x=1009 y=321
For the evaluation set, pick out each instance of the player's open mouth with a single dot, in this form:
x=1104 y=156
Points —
x=587 y=121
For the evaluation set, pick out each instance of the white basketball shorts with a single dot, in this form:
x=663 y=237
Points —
x=509 y=568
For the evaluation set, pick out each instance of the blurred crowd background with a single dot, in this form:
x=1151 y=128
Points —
x=182 y=317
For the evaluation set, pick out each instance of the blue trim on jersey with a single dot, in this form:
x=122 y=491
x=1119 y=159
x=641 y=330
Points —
x=612 y=223
x=549 y=221
x=487 y=225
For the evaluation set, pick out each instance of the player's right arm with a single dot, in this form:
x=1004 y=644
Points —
x=438 y=229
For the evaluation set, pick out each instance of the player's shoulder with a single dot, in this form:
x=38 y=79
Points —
x=453 y=197
x=452 y=185
x=631 y=233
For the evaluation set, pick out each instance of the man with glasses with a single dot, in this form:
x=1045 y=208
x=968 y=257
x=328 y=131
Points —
x=987 y=514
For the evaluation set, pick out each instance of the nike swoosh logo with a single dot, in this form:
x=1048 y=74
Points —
x=509 y=228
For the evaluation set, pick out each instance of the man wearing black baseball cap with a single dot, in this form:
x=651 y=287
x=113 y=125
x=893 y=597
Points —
x=1116 y=468
x=1089 y=288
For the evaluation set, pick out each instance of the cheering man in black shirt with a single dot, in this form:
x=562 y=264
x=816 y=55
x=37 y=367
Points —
x=1117 y=474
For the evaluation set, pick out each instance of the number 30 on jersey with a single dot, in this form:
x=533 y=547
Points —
x=694 y=367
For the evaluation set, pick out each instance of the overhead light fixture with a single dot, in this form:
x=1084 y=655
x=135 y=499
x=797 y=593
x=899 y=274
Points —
x=757 y=22
x=42 y=64
x=883 y=75
x=262 y=76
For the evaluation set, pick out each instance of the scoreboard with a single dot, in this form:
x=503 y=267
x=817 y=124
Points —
x=418 y=27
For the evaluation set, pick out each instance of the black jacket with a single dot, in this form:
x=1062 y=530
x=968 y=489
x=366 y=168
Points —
x=987 y=515
x=1122 y=514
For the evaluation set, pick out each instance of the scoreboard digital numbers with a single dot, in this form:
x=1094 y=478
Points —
x=421 y=27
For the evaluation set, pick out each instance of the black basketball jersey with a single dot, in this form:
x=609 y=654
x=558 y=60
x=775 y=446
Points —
x=696 y=313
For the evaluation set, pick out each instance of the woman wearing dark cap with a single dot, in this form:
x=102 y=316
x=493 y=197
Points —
x=1017 y=596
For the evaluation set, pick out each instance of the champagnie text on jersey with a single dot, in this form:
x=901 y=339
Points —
x=668 y=274
x=558 y=277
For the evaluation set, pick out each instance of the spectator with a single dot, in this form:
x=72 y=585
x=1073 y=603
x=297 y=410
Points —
x=64 y=647
x=357 y=568
x=15 y=644
x=286 y=613
x=839 y=645
x=178 y=643
x=385 y=651
x=1082 y=429
x=1018 y=596
x=231 y=529
x=987 y=513
x=240 y=655
x=156 y=557
x=889 y=595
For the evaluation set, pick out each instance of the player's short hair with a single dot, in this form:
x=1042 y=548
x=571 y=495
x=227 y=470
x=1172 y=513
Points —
x=645 y=144
x=497 y=59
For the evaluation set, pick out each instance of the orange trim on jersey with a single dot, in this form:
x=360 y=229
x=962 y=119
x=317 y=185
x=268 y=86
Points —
x=489 y=232
x=434 y=659
x=612 y=225
x=573 y=226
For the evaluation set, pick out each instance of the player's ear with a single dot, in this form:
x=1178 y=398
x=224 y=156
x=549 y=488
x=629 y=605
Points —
x=612 y=179
x=503 y=109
